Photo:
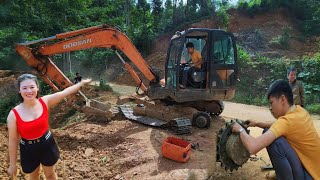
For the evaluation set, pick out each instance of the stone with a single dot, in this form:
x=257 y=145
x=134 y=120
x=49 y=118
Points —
x=88 y=152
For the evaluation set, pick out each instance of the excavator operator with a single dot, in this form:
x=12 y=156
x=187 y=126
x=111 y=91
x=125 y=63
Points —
x=197 y=61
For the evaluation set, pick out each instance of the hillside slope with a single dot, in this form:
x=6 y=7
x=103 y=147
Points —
x=254 y=34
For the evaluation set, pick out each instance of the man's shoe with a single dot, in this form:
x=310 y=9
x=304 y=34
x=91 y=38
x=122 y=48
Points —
x=181 y=86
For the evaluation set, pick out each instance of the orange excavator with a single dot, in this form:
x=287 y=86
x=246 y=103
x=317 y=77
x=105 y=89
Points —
x=205 y=89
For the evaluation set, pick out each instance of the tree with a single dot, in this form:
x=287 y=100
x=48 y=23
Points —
x=157 y=12
x=157 y=8
x=178 y=12
x=204 y=7
x=192 y=8
x=166 y=19
x=143 y=4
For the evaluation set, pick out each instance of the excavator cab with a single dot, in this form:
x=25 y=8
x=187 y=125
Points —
x=217 y=77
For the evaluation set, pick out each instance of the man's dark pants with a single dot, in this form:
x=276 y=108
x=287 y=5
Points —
x=285 y=160
x=187 y=72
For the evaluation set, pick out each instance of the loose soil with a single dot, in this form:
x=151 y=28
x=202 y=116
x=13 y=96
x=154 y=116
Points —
x=121 y=149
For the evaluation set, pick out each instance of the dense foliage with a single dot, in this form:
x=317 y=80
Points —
x=259 y=73
x=141 y=20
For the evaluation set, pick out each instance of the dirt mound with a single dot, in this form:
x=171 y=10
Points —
x=63 y=114
x=117 y=150
x=126 y=79
x=256 y=33
x=7 y=82
x=7 y=86
x=161 y=44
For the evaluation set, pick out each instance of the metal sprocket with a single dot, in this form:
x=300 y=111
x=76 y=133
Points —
x=221 y=108
x=223 y=135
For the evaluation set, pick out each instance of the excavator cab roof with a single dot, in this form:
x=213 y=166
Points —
x=197 y=33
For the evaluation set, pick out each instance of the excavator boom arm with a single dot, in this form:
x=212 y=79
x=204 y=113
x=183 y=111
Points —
x=97 y=37
x=49 y=72
x=102 y=36
x=37 y=55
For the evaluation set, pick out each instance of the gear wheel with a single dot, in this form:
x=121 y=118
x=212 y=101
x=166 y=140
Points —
x=230 y=151
x=221 y=108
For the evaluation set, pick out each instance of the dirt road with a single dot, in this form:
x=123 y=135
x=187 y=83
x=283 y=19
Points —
x=122 y=149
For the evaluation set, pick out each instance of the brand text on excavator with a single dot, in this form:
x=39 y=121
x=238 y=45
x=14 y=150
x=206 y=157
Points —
x=78 y=43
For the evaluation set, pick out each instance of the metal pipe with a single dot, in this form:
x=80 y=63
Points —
x=124 y=62
x=39 y=40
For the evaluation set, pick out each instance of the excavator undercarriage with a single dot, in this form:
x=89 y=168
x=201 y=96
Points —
x=197 y=113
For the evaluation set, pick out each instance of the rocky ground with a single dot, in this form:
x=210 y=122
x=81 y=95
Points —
x=121 y=149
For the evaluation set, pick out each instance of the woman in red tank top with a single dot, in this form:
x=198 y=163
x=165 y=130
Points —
x=29 y=120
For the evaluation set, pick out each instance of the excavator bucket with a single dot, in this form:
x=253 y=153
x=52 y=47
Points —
x=96 y=110
x=98 y=105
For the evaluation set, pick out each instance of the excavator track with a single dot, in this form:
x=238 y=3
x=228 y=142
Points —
x=217 y=109
x=178 y=125
x=230 y=151
x=214 y=108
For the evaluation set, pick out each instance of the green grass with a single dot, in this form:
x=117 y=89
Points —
x=245 y=98
x=103 y=87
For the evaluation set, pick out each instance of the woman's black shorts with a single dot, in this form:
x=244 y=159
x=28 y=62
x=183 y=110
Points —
x=43 y=150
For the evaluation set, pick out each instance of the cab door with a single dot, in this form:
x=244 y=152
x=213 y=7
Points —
x=172 y=63
x=223 y=60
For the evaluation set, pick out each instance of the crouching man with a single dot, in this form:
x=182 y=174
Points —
x=292 y=141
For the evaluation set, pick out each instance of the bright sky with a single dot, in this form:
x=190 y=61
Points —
x=234 y=1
